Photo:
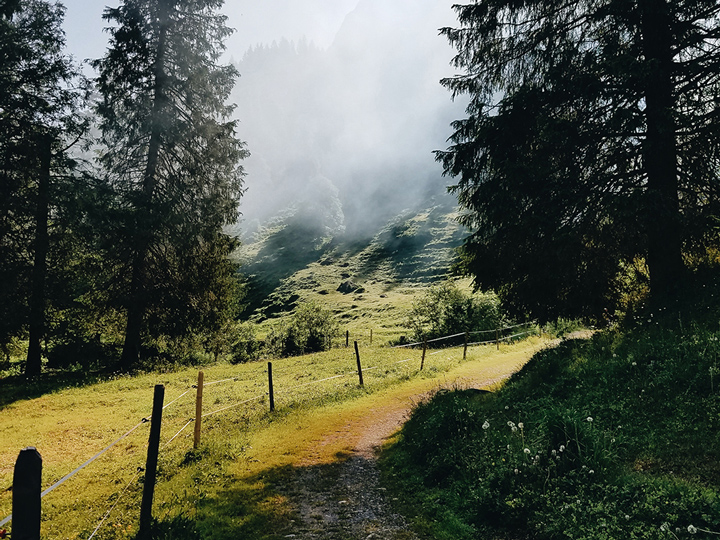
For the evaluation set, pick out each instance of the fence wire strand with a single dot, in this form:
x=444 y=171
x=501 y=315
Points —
x=236 y=379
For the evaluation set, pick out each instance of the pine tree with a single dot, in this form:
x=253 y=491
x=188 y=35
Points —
x=39 y=121
x=169 y=150
x=590 y=147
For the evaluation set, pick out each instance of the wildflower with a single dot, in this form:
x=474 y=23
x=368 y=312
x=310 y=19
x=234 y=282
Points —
x=589 y=419
x=510 y=423
x=634 y=363
x=486 y=425
x=627 y=516
x=554 y=452
x=508 y=447
x=591 y=471
x=562 y=447
x=692 y=529
x=527 y=450
x=514 y=429
x=516 y=471
x=664 y=527
x=521 y=425
x=507 y=407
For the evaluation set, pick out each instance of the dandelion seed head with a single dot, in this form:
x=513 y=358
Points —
x=486 y=425
x=692 y=529
x=527 y=450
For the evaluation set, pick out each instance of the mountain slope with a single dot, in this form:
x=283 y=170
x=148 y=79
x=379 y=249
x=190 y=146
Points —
x=297 y=256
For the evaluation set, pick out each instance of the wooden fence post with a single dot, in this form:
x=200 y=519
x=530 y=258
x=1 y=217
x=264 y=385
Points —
x=497 y=338
x=371 y=336
x=357 y=356
x=347 y=338
x=422 y=362
x=27 y=479
x=198 y=408
x=270 y=388
x=465 y=348
x=151 y=464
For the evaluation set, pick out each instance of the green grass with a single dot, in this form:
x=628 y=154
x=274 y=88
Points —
x=612 y=438
x=224 y=488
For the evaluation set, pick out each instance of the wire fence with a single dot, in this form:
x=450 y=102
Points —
x=261 y=396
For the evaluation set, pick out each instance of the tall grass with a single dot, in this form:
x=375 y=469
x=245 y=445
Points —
x=612 y=438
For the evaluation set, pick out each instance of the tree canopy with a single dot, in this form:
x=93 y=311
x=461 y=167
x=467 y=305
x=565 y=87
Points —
x=171 y=158
x=591 y=146
x=41 y=98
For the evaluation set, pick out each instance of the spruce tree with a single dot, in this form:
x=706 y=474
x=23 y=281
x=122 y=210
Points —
x=40 y=99
x=169 y=153
x=591 y=146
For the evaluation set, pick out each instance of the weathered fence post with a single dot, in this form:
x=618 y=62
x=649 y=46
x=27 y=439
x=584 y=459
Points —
x=497 y=338
x=465 y=348
x=357 y=356
x=151 y=464
x=422 y=362
x=371 y=336
x=27 y=479
x=347 y=338
x=198 y=408
x=270 y=388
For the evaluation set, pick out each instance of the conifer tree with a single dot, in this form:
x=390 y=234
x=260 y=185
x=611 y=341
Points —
x=592 y=145
x=40 y=98
x=169 y=153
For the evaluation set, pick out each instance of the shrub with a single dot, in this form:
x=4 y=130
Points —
x=446 y=309
x=311 y=329
x=244 y=346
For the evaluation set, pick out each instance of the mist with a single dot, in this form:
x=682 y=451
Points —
x=339 y=102
x=346 y=130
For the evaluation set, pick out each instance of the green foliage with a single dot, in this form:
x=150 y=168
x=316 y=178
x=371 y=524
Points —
x=445 y=310
x=244 y=346
x=171 y=162
x=612 y=438
x=582 y=130
x=40 y=121
x=310 y=329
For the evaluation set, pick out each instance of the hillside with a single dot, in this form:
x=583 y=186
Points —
x=308 y=253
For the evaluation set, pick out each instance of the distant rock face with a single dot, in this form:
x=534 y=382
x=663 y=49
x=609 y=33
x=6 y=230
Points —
x=347 y=287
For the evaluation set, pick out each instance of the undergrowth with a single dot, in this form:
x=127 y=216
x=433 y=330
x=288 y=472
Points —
x=614 y=437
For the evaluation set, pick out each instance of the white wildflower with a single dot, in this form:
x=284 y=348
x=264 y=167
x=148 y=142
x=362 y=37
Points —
x=562 y=447
x=692 y=529
x=527 y=450
x=486 y=425
x=589 y=419
x=521 y=425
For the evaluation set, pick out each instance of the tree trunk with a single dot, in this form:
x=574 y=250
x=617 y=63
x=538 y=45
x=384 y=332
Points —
x=662 y=214
x=137 y=303
x=33 y=365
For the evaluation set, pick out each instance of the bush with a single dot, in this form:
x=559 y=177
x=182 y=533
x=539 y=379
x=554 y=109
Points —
x=244 y=346
x=311 y=329
x=446 y=310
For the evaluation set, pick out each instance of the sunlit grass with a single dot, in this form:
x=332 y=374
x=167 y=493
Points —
x=238 y=440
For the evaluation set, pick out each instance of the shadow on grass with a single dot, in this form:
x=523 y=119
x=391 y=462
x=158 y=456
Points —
x=18 y=387
x=265 y=506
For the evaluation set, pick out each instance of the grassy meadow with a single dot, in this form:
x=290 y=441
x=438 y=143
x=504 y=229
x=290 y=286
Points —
x=222 y=489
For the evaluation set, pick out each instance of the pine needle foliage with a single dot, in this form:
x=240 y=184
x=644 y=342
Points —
x=591 y=142
x=171 y=157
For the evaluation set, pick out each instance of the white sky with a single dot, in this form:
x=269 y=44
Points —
x=255 y=21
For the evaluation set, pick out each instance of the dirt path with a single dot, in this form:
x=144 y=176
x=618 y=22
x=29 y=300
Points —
x=343 y=499
x=333 y=487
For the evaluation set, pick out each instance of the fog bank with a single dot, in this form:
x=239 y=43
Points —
x=348 y=129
